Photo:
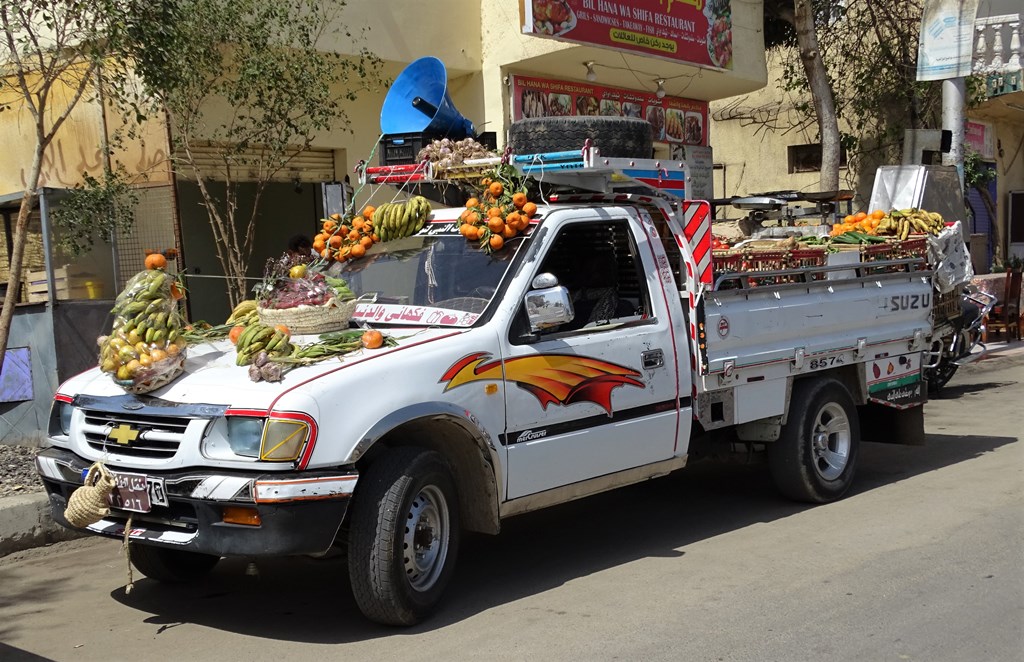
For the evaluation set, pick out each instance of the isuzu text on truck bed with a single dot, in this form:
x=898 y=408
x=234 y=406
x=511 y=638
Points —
x=596 y=350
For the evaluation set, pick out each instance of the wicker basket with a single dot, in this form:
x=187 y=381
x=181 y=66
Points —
x=303 y=320
x=162 y=374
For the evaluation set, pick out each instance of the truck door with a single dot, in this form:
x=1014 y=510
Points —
x=602 y=393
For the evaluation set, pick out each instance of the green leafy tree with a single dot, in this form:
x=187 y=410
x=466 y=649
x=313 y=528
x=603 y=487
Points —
x=51 y=51
x=869 y=52
x=249 y=78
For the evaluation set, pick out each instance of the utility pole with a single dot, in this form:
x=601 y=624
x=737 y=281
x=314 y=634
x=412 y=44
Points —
x=954 y=93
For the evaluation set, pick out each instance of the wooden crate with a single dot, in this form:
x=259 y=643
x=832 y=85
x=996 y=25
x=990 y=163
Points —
x=69 y=285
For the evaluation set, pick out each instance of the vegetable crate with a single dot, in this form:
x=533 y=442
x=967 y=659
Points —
x=402 y=148
x=891 y=250
x=736 y=260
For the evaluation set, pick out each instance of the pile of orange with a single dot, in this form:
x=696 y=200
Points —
x=496 y=216
x=346 y=239
x=859 y=222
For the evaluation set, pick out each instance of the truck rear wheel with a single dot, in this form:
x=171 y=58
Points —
x=619 y=137
x=815 y=457
x=170 y=566
x=403 y=537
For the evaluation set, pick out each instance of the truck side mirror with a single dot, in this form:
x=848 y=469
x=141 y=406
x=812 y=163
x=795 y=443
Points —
x=548 y=303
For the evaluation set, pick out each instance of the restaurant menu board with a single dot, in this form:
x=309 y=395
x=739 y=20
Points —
x=674 y=120
x=693 y=31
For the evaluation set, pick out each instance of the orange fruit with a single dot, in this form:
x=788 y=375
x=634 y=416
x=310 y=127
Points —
x=358 y=250
x=496 y=242
x=159 y=355
x=496 y=189
x=358 y=223
x=368 y=211
x=472 y=232
x=372 y=339
x=472 y=202
x=329 y=226
x=281 y=328
x=374 y=237
x=176 y=291
x=519 y=199
x=860 y=216
x=366 y=242
x=343 y=230
x=878 y=214
x=235 y=332
x=156 y=261
x=486 y=181
x=335 y=241
x=848 y=219
x=354 y=235
x=513 y=218
x=496 y=224
x=529 y=209
x=509 y=232
x=319 y=245
x=495 y=211
x=473 y=218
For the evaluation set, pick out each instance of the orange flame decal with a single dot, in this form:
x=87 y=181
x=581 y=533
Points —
x=551 y=378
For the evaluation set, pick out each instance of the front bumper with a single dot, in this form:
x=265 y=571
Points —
x=300 y=512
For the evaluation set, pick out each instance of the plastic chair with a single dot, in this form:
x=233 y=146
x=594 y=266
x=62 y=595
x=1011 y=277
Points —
x=1005 y=317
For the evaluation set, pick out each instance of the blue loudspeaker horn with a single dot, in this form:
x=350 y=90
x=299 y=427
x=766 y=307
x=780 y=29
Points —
x=418 y=102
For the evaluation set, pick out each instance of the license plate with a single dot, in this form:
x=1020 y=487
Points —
x=137 y=492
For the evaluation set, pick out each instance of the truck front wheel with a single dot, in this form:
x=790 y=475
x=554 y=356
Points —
x=403 y=536
x=816 y=455
x=170 y=566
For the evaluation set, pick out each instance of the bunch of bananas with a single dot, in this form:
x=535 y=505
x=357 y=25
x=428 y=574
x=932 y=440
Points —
x=901 y=222
x=262 y=338
x=397 y=220
x=146 y=330
x=244 y=314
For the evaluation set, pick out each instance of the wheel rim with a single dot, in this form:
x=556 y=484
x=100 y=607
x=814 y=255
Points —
x=425 y=541
x=830 y=441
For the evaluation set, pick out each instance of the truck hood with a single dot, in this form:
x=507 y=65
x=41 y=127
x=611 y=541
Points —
x=211 y=376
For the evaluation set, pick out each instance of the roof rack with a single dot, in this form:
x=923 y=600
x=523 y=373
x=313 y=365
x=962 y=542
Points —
x=585 y=170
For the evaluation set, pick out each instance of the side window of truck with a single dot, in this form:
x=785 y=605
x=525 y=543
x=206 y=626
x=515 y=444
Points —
x=598 y=263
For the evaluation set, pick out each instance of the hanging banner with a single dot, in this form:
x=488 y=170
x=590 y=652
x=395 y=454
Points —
x=947 y=39
x=692 y=31
x=674 y=120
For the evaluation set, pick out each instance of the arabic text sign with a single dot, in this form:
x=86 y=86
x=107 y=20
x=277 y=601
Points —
x=947 y=39
x=693 y=31
x=673 y=119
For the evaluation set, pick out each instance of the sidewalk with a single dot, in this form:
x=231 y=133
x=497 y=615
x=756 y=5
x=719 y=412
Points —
x=25 y=520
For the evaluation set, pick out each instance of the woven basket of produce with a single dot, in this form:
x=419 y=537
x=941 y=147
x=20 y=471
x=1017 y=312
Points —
x=304 y=320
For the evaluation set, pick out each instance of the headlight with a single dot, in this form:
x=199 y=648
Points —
x=244 y=435
x=60 y=418
x=283 y=440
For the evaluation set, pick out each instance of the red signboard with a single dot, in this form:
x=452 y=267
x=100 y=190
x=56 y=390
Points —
x=693 y=31
x=673 y=119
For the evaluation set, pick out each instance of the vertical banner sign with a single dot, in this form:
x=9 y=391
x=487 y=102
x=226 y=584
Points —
x=674 y=120
x=692 y=31
x=947 y=39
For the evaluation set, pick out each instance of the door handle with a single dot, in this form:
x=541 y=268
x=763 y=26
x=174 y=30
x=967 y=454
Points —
x=653 y=358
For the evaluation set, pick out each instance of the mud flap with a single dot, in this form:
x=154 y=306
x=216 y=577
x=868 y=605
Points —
x=892 y=426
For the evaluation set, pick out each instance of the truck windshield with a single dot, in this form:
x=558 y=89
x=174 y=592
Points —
x=435 y=279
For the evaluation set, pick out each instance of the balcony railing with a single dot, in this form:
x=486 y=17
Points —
x=997 y=52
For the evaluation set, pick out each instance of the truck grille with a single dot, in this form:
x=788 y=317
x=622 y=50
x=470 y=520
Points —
x=135 y=435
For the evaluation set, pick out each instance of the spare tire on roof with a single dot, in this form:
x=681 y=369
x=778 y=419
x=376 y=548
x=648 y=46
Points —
x=620 y=137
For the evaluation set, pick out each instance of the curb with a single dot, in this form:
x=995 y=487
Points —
x=25 y=522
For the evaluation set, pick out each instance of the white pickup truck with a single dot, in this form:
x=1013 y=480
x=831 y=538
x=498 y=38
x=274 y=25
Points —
x=598 y=349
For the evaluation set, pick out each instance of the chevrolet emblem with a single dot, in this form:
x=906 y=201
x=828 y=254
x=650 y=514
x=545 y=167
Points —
x=123 y=434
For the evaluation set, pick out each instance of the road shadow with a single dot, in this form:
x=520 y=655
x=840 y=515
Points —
x=956 y=391
x=310 y=601
x=12 y=654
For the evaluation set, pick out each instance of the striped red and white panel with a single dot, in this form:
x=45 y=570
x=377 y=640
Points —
x=697 y=232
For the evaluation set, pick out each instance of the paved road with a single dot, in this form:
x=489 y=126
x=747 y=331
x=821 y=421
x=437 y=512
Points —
x=925 y=561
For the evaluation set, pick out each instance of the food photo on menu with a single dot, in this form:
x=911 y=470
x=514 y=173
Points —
x=719 y=39
x=656 y=118
x=693 y=129
x=674 y=124
x=630 y=109
x=611 y=108
x=559 y=105
x=587 y=105
x=534 y=103
x=552 y=17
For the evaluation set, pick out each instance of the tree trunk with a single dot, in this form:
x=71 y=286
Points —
x=18 y=251
x=821 y=93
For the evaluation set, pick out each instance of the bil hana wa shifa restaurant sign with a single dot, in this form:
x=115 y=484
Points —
x=692 y=31
x=673 y=120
